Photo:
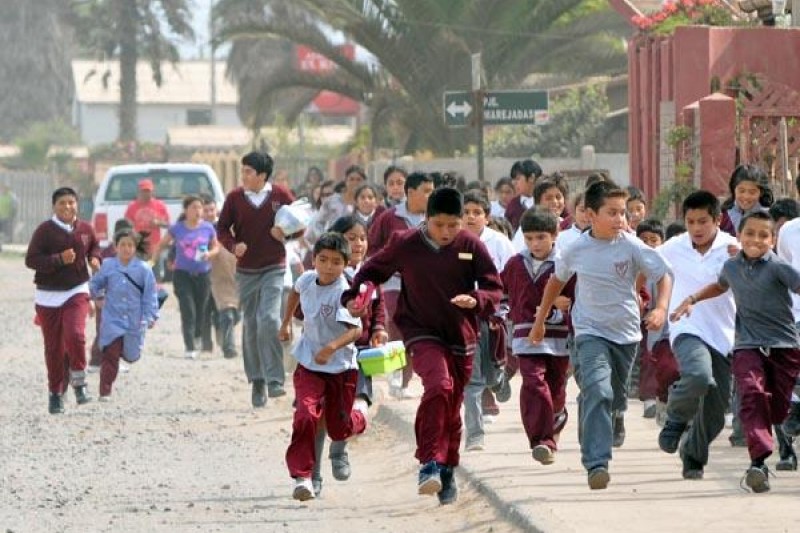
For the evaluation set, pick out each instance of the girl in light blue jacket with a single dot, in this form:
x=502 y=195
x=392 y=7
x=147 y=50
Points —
x=130 y=306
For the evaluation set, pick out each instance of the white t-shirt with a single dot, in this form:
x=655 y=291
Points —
x=713 y=320
x=324 y=319
x=499 y=247
x=789 y=251
x=567 y=237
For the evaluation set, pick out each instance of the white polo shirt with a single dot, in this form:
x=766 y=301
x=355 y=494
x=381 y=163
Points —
x=789 y=251
x=499 y=247
x=712 y=320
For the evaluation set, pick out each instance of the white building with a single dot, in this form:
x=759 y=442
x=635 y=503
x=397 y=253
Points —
x=183 y=99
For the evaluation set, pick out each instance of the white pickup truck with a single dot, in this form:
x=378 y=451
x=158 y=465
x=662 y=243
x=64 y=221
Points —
x=172 y=182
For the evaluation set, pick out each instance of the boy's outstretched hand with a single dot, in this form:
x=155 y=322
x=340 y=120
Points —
x=684 y=309
x=464 y=301
x=655 y=319
x=324 y=355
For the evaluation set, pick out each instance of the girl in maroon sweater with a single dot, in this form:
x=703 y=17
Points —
x=59 y=251
x=449 y=280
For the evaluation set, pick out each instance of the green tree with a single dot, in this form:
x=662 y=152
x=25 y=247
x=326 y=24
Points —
x=36 y=140
x=421 y=49
x=35 y=78
x=577 y=118
x=129 y=30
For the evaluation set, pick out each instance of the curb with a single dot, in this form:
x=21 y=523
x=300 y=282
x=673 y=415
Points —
x=509 y=511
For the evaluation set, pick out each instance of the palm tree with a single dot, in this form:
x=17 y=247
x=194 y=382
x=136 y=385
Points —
x=422 y=47
x=35 y=46
x=130 y=29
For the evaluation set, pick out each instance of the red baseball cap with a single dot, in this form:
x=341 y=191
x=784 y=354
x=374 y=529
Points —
x=146 y=185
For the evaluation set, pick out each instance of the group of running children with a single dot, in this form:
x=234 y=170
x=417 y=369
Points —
x=576 y=299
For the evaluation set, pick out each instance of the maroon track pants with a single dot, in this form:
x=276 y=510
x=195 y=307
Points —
x=63 y=329
x=542 y=396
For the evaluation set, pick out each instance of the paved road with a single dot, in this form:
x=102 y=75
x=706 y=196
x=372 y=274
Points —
x=180 y=450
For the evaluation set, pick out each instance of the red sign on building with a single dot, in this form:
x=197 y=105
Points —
x=327 y=102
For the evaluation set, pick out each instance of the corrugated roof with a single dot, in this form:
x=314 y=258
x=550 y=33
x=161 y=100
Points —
x=186 y=82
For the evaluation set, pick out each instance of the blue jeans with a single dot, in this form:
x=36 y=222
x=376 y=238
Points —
x=604 y=368
x=260 y=299
x=482 y=372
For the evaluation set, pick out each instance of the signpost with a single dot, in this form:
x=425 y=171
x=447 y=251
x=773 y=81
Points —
x=494 y=108
x=499 y=108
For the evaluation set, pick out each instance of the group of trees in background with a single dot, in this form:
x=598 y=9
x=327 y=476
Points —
x=418 y=50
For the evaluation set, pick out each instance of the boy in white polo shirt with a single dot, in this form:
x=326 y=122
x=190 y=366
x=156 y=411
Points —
x=702 y=341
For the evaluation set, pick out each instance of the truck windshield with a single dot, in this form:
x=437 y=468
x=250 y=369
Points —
x=168 y=185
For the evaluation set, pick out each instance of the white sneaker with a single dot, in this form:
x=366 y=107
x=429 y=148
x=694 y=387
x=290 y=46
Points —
x=303 y=489
x=104 y=399
x=191 y=354
x=489 y=419
x=123 y=368
x=92 y=369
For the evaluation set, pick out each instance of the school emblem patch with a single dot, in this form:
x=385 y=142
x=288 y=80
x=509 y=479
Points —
x=326 y=310
x=85 y=240
x=621 y=268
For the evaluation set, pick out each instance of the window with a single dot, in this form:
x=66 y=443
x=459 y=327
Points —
x=198 y=117
x=168 y=185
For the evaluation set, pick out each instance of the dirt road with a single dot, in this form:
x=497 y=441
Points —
x=180 y=449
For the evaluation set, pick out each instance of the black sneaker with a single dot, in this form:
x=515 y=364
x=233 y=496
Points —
x=430 y=480
x=598 y=478
x=275 y=390
x=502 y=389
x=340 y=464
x=56 y=404
x=259 y=397
x=449 y=492
x=691 y=469
x=670 y=436
x=316 y=482
x=619 y=431
x=757 y=478
x=82 y=395
x=737 y=440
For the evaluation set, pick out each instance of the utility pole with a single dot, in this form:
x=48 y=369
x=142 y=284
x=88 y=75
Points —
x=477 y=92
x=213 y=47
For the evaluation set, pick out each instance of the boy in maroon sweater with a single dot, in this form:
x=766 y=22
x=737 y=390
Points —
x=59 y=251
x=449 y=280
x=543 y=366
x=246 y=227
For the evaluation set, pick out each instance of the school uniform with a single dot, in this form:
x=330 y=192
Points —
x=130 y=306
x=486 y=361
x=322 y=390
x=605 y=317
x=766 y=352
x=248 y=217
x=62 y=297
x=700 y=342
x=384 y=227
x=440 y=337
x=543 y=366
x=516 y=208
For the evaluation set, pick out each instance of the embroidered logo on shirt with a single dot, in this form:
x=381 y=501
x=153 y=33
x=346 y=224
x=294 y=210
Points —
x=621 y=268
x=465 y=256
x=326 y=310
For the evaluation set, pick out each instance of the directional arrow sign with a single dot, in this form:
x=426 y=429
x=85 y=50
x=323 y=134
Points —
x=499 y=107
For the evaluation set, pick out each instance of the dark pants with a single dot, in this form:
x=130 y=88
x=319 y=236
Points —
x=438 y=422
x=193 y=292
x=226 y=322
x=96 y=354
x=208 y=324
x=765 y=384
x=321 y=395
x=110 y=365
x=63 y=329
x=542 y=397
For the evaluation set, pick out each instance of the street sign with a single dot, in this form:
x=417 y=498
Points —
x=499 y=108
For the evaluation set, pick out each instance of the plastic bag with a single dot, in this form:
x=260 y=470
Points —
x=295 y=217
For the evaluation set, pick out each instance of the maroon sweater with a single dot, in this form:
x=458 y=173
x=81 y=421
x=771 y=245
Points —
x=241 y=221
x=514 y=211
x=431 y=277
x=383 y=227
x=525 y=295
x=44 y=255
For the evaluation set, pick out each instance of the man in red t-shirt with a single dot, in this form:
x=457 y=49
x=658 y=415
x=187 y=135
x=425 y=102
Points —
x=148 y=214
